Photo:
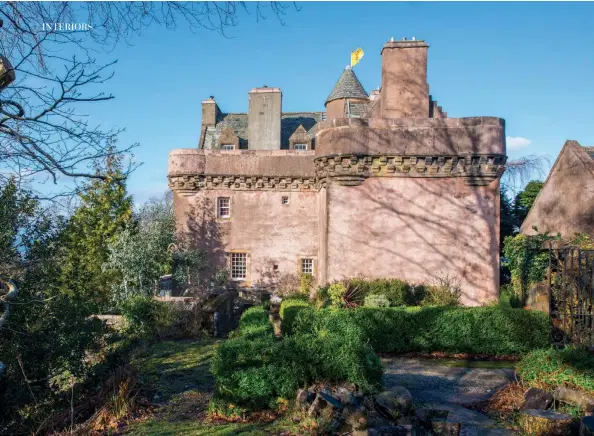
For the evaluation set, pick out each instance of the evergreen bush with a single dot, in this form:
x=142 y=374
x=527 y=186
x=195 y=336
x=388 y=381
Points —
x=254 y=369
x=493 y=330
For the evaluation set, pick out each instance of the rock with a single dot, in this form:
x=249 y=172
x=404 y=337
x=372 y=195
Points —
x=346 y=397
x=544 y=422
x=445 y=427
x=394 y=403
x=316 y=407
x=537 y=399
x=575 y=398
x=408 y=420
x=403 y=395
x=587 y=426
x=302 y=397
x=354 y=419
x=330 y=399
x=425 y=415
x=398 y=430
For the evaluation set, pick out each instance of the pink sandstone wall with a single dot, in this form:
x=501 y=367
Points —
x=272 y=233
x=411 y=136
x=566 y=203
x=416 y=229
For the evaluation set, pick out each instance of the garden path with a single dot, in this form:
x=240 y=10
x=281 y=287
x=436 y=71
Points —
x=449 y=384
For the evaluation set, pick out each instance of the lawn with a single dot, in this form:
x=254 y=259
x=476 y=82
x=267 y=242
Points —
x=175 y=375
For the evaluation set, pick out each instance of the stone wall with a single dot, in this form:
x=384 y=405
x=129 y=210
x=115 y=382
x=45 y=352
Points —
x=417 y=230
x=272 y=233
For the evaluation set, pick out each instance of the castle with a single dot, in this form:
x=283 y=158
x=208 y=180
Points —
x=380 y=185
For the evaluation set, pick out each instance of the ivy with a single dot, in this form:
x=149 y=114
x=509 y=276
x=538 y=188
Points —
x=527 y=260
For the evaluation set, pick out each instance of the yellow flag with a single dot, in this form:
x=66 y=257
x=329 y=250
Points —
x=356 y=57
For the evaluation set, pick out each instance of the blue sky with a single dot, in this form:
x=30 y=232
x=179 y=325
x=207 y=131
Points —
x=530 y=63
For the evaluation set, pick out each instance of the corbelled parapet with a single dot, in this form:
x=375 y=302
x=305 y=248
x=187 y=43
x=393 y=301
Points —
x=194 y=169
x=350 y=150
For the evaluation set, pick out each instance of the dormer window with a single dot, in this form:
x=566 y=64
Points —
x=227 y=147
x=300 y=147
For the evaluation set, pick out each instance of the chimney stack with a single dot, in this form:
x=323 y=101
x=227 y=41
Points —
x=405 y=92
x=264 y=118
x=210 y=112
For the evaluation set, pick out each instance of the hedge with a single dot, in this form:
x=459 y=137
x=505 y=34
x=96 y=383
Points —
x=288 y=310
x=254 y=322
x=550 y=368
x=255 y=368
x=477 y=330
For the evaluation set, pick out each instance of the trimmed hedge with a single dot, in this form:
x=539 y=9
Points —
x=551 y=368
x=477 y=330
x=255 y=368
x=254 y=322
x=288 y=310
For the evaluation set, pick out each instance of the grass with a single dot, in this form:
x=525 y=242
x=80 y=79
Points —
x=173 y=367
x=197 y=428
x=550 y=368
x=176 y=375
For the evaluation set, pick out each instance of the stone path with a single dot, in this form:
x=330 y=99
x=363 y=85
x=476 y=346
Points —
x=451 y=388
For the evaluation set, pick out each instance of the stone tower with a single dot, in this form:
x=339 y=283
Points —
x=380 y=186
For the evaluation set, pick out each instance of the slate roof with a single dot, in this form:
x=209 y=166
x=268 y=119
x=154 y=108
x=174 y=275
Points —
x=358 y=110
x=290 y=121
x=348 y=86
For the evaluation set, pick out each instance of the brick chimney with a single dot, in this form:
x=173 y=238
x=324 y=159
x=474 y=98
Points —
x=210 y=112
x=405 y=93
x=264 y=118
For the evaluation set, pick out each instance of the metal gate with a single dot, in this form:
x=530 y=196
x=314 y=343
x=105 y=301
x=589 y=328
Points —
x=571 y=291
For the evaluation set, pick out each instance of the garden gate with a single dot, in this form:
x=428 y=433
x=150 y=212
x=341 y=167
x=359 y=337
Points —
x=571 y=292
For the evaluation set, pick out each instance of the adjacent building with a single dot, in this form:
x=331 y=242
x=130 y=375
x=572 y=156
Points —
x=379 y=185
x=565 y=203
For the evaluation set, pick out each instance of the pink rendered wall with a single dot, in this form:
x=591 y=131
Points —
x=272 y=233
x=415 y=229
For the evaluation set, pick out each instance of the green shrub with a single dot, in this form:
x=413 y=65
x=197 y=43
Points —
x=375 y=300
x=446 y=291
x=550 y=368
x=352 y=292
x=255 y=371
x=255 y=368
x=254 y=322
x=306 y=281
x=526 y=260
x=288 y=311
x=146 y=316
x=478 y=330
x=508 y=297
x=336 y=292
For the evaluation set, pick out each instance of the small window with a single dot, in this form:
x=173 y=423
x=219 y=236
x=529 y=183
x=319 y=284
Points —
x=238 y=266
x=300 y=147
x=307 y=266
x=224 y=207
x=227 y=147
x=285 y=199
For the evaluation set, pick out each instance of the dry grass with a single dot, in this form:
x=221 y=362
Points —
x=100 y=412
x=508 y=399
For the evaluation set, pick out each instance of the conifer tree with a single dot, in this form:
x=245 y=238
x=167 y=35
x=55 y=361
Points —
x=105 y=209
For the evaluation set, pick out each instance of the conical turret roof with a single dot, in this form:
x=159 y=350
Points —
x=348 y=86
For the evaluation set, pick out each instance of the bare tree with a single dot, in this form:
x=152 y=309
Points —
x=520 y=171
x=45 y=135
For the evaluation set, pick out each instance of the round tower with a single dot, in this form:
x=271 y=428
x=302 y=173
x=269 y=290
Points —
x=347 y=98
